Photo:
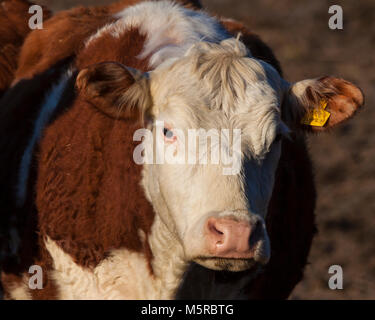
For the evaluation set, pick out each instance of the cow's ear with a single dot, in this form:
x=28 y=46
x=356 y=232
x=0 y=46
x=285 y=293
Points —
x=318 y=104
x=118 y=91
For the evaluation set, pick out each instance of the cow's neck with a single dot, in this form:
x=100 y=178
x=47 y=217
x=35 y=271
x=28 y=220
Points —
x=168 y=263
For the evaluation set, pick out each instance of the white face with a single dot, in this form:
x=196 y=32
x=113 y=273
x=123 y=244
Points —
x=217 y=209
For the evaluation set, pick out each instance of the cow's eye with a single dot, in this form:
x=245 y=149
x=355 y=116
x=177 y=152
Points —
x=168 y=133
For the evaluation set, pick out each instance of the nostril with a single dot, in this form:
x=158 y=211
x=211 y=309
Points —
x=213 y=228
x=216 y=235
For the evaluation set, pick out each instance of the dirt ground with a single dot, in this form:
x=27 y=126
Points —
x=344 y=159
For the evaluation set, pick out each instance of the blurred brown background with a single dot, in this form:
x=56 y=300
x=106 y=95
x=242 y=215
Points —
x=344 y=159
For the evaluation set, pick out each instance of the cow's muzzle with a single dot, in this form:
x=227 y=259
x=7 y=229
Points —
x=231 y=240
x=234 y=244
x=228 y=238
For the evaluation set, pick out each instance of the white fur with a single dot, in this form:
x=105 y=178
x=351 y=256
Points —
x=124 y=274
x=49 y=105
x=220 y=86
x=170 y=29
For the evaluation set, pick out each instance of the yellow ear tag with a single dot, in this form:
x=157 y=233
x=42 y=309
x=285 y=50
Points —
x=316 y=117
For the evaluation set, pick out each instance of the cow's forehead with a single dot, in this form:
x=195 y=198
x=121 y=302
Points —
x=222 y=76
x=220 y=86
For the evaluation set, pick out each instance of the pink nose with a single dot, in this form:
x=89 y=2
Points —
x=228 y=238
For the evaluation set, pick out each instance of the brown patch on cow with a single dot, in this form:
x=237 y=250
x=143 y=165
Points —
x=97 y=75
x=87 y=175
x=252 y=41
x=124 y=50
x=8 y=65
x=14 y=19
x=65 y=33
x=88 y=180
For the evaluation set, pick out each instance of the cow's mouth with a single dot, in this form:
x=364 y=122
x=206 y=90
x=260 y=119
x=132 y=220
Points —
x=226 y=264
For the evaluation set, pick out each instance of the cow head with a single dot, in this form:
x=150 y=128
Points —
x=215 y=208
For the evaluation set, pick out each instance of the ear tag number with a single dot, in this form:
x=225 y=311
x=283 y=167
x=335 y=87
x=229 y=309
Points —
x=316 y=117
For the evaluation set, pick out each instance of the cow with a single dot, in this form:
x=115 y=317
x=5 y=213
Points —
x=102 y=225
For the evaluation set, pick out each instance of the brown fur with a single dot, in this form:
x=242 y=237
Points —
x=65 y=33
x=87 y=187
x=14 y=18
